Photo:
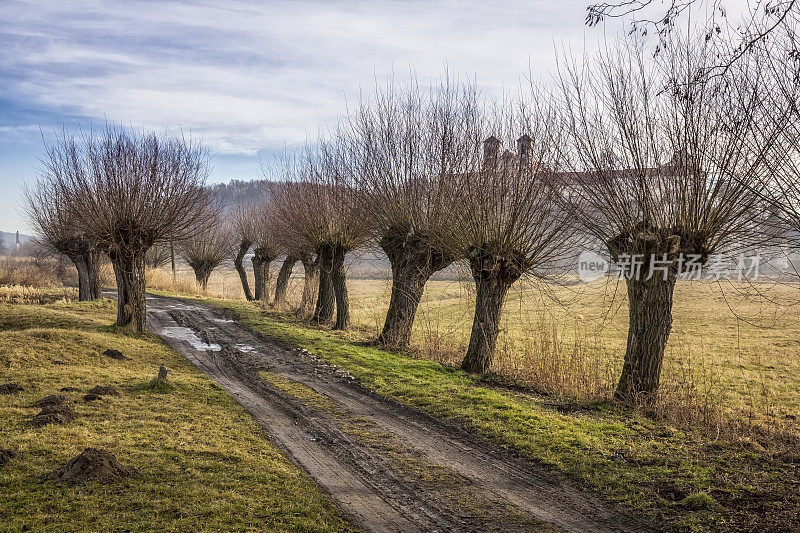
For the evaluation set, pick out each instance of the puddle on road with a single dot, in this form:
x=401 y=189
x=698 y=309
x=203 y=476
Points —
x=223 y=320
x=189 y=336
x=245 y=348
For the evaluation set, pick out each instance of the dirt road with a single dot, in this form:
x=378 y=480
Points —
x=388 y=466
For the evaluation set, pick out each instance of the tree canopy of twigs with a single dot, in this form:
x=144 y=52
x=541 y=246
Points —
x=52 y=214
x=316 y=205
x=409 y=143
x=509 y=221
x=205 y=251
x=659 y=178
x=132 y=190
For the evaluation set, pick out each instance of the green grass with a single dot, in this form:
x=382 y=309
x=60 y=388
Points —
x=684 y=478
x=203 y=462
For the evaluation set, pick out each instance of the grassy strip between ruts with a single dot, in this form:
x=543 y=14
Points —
x=682 y=479
x=203 y=463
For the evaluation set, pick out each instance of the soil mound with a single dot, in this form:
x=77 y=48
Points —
x=52 y=399
x=92 y=397
x=102 y=390
x=92 y=465
x=10 y=388
x=54 y=414
x=6 y=455
x=115 y=354
x=70 y=389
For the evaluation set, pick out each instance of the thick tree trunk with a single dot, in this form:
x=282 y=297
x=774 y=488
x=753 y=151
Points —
x=129 y=270
x=261 y=262
x=86 y=258
x=84 y=293
x=493 y=276
x=413 y=261
x=244 y=246
x=202 y=274
x=339 y=281
x=282 y=283
x=310 y=286
x=323 y=311
x=650 y=322
x=93 y=273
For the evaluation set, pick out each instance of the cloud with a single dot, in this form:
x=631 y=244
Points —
x=248 y=76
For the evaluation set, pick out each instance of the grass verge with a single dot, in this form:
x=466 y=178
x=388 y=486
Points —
x=679 y=478
x=203 y=462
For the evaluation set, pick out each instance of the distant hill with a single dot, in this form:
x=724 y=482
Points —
x=9 y=239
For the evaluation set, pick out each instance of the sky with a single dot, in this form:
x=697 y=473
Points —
x=247 y=78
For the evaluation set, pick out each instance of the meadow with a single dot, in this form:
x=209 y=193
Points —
x=731 y=365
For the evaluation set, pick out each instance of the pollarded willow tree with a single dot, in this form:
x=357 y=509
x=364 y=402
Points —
x=205 y=251
x=409 y=144
x=266 y=243
x=284 y=275
x=56 y=222
x=659 y=181
x=318 y=206
x=132 y=190
x=509 y=221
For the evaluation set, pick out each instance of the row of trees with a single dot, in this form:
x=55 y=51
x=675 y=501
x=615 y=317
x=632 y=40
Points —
x=627 y=154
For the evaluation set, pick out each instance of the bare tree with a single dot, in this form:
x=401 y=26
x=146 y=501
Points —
x=317 y=206
x=158 y=255
x=205 y=251
x=409 y=143
x=660 y=181
x=731 y=42
x=133 y=190
x=52 y=214
x=509 y=222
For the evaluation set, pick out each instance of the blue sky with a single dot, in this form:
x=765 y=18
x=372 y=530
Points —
x=246 y=77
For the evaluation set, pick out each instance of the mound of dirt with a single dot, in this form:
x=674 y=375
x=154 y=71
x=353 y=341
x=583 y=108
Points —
x=6 y=455
x=52 y=399
x=92 y=465
x=70 y=389
x=54 y=414
x=102 y=390
x=115 y=354
x=92 y=397
x=10 y=388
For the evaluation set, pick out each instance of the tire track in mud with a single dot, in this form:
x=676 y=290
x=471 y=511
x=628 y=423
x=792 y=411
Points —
x=389 y=466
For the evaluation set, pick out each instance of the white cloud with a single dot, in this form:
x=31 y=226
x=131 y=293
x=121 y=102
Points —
x=253 y=75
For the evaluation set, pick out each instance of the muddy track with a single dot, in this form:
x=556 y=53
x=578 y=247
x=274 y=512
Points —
x=390 y=467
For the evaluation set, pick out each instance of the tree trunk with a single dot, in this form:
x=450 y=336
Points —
x=244 y=246
x=282 y=283
x=84 y=293
x=339 y=281
x=202 y=274
x=261 y=262
x=310 y=286
x=650 y=322
x=129 y=270
x=93 y=273
x=493 y=276
x=323 y=312
x=413 y=261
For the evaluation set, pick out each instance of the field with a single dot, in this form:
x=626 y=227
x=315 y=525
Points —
x=731 y=365
x=202 y=461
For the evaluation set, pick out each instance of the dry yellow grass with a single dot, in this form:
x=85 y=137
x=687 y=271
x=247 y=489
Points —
x=732 y=356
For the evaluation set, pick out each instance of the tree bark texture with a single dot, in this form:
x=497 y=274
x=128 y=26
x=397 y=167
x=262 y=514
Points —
x=282 y=283
x=129 y=269
x=323 y=311
x=244 y=246
x=261 y=262
x=414 y=260
x=493 y=274
x=310 y=286
x=649 y=326
x=339 y=281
